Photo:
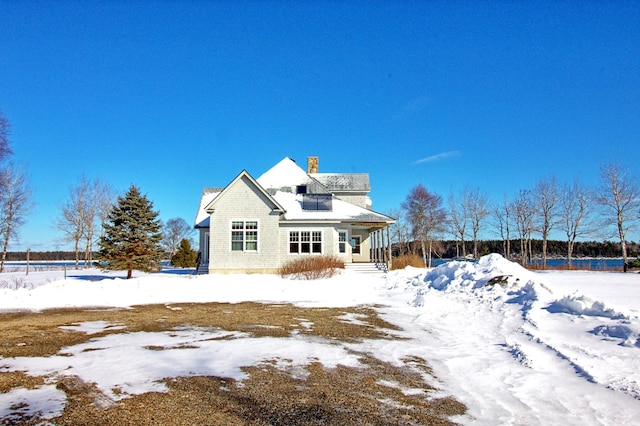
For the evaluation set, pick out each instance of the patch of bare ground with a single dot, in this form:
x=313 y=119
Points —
x=378 y=393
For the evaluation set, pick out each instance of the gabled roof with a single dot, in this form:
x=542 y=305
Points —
x=210 y=196
x=284 y=174
x=287 y=175
x=278 y=185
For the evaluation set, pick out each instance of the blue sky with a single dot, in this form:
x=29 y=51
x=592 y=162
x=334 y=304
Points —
x=174 y=96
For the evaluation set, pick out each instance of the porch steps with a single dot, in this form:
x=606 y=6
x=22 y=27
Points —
x=366 y=268
x=203 y=268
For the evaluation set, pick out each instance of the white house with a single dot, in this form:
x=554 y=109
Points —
x=256 y=225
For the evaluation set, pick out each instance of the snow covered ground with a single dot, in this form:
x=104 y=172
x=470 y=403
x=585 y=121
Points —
x=516 y=347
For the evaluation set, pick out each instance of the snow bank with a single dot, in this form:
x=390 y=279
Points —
x=578 y=304
x=491 y=277
x=99 y=290
x=509 y=343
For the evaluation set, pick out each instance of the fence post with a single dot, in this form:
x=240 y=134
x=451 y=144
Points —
x=28 y=251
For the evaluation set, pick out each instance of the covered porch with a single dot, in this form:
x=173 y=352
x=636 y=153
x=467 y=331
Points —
x=378 y=251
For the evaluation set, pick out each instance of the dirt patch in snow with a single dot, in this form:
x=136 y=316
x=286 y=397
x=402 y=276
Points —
x=378 y=393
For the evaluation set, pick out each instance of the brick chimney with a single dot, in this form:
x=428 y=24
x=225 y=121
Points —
x=312 y=164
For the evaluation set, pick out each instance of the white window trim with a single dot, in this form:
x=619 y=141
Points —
x=345 y=242
x=311 y=252
x=244 y=238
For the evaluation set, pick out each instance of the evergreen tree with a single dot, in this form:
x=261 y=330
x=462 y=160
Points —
x=132 y=235
x=185 y=256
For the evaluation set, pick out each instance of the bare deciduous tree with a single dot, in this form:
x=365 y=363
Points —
x=502 y=214
x=72 y=221
x=15 y=202
x=88 y=202
x=545 y=197
x=523 y=212
x=100 y=200
x=174 y=231
x=427 y=218
x=619 y=197
x=468 y=211
x=399 y=230
x=5 y=150
x=576 y=208
x=458 y=221
x=478 y=210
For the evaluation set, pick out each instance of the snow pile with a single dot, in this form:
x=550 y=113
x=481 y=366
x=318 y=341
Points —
x=461 y=274
x=578 y=304
x=492 y=277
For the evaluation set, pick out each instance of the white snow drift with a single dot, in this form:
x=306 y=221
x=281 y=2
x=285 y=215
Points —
x=516 y=347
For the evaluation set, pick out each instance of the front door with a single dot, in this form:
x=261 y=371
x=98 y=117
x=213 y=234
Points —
x=356 y=242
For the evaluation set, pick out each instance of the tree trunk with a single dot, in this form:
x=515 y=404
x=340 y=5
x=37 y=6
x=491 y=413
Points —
x=569 y=252
x=77 y=253
x=129 y=274
x=475 y=247
x=5 y=246
x=623 y=243
x=4 y=253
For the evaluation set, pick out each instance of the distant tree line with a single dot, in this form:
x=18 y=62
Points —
x=429 y=225
x=450 y=249
x=39 y=256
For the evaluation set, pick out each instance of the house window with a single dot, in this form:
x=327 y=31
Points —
x=316 y=242
x=342 y=241
x=244 y=235
x=305 y=242
x=301 y=189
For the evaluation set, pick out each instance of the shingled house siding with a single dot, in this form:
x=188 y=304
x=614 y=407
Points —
x=243 y=202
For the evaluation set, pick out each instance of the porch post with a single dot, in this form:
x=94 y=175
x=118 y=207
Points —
x=389 y=259
x=374 y=246
x=383 y=253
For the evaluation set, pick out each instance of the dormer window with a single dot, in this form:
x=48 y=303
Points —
x=301 y=189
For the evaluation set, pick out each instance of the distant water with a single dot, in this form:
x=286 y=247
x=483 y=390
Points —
x=586 y=264
x=58 y=264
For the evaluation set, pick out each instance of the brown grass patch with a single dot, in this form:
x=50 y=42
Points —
x=405 y=260
x=374 y=395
